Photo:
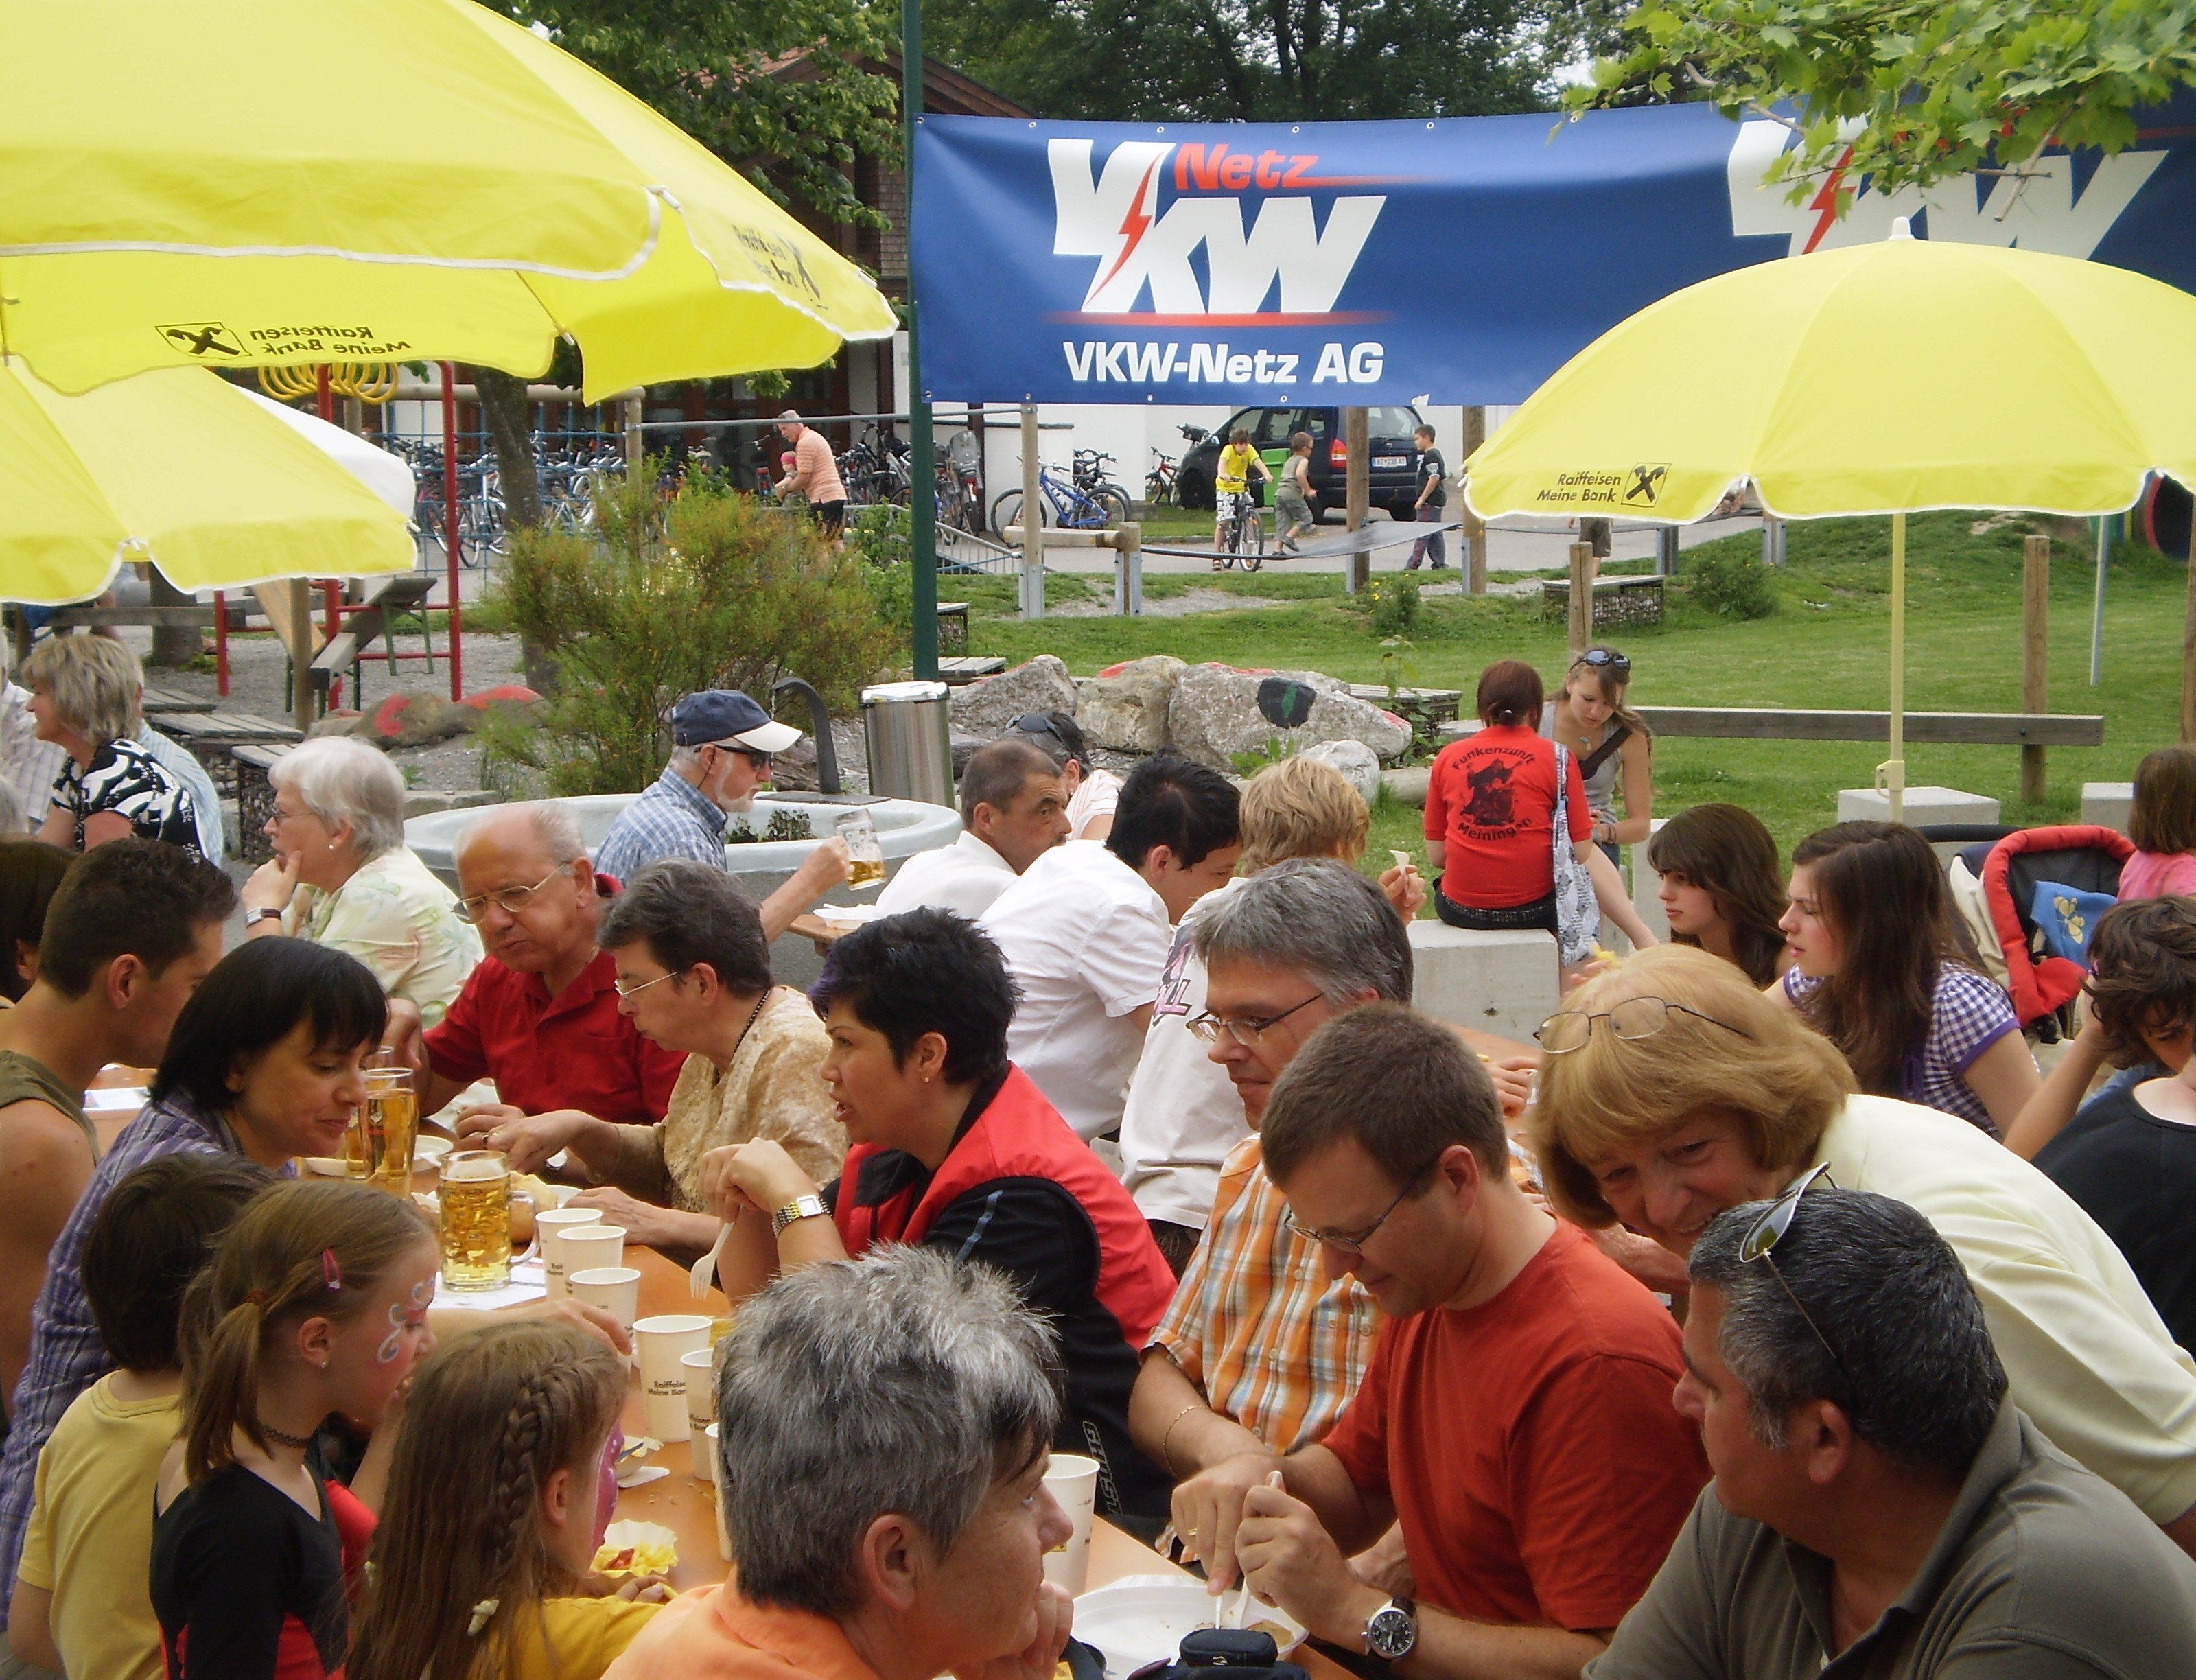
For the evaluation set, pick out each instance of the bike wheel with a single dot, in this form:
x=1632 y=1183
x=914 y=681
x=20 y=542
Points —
x=1115 y=501
x=1254 y=544
x=1006 y=511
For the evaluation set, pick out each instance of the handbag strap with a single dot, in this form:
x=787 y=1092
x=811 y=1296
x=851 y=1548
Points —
x=1594 y=760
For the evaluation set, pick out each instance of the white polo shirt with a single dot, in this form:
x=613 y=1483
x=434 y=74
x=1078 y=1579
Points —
x=1183 y=1115
x=963 y=877
x=1085 y=938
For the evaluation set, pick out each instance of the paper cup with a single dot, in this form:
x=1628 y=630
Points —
x=661 y=1342
x=700 y=1398
x=549 y=1225
x=1072 y=1480
x=586 y=1247
x=717 y=1489
x=614 y=1288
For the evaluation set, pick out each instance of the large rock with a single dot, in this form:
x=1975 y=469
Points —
x=1124 y=709
x=1355 y=760
x=1214 y=714
x=990 y=707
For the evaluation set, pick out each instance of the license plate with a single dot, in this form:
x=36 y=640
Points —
x=1392 y=460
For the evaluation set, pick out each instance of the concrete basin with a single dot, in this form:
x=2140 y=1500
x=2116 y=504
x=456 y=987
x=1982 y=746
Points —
x=760 y=865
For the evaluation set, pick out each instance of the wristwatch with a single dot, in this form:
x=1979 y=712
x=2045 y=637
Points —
x=253 y=918
x=1392 y=1630
x=800 y=1207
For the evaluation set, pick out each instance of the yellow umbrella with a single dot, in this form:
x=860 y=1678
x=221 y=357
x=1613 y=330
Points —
x=179 y=468
x=1892 y=378
x=376 y=180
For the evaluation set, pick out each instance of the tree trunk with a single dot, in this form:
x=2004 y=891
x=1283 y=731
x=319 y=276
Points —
x=173 y=645
x=504 y=409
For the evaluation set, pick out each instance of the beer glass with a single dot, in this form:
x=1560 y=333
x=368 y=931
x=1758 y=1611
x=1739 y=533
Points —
x=865 y=857
x=392 y=1128
x=475 y=1220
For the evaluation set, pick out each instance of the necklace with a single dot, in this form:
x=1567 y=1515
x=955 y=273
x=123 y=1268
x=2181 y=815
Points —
x=284 y=1438
x=754 y=1015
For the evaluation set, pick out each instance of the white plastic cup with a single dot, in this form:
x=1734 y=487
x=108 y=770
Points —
x=549 y=1225
x=661 y=1341
x=589 y=1248
x=614 y=1288
x=717 y=1493
x=701 y=1369
x=1072 y=1480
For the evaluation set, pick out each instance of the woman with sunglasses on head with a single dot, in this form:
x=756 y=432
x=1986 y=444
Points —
x=1884 y=969
x=1673 y=1089
x=1589 y=718
x=1722 y=888
x=1093 y=794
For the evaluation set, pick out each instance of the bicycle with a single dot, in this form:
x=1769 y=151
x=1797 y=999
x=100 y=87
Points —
x=1101 y=509
x=1090 y=468
x=1159 y=483
x=1243 y=534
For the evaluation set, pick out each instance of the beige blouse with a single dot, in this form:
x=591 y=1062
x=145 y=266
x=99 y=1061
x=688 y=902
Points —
x=774 y=1089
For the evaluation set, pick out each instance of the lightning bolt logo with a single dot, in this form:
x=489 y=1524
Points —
x=1824 y=204
x=1134 y=225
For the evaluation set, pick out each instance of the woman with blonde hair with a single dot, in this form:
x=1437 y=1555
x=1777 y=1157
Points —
x=1588 y=716
x=341 y=875
x=1672 y=1090
x=84 y=695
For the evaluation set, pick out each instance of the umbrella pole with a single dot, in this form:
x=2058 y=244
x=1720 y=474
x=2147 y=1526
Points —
x=1895 y=767
x=2097 y=610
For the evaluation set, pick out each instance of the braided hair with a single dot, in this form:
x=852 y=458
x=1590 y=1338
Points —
x=461 y=1554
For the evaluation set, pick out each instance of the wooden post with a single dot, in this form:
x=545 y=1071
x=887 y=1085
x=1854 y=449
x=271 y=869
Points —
x=1357 y=441
x=636 y=440
x=2034 y=653
x=1032 y=594
x=301 y=654
x=1581 y=600
x=1129 y=568
x=1474 y=533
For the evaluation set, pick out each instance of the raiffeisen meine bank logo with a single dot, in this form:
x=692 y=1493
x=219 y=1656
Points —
x=1155 y=206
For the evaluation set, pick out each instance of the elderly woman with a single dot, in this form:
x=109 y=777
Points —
x=85 y=695
x=341 y=875
x=693 y=976
x=933 y=1393
x=1672 y=1090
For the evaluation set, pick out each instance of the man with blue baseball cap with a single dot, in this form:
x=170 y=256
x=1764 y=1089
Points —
x=722 y=746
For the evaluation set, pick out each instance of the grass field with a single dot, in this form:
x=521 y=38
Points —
x=1826 y=646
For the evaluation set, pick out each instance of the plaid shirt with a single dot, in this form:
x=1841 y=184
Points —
x=66 y=1355
x=669 y=819
x=1258 y=1324
x=28 y=765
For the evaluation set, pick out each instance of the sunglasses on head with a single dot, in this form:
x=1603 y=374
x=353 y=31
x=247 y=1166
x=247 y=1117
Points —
x=1606 y=659
x=1036 y=722
x=1766 y=1231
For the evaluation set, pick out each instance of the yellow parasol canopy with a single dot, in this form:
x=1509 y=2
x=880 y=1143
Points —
x=240 y=183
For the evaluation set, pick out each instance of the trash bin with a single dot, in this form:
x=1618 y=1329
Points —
x=908 y=729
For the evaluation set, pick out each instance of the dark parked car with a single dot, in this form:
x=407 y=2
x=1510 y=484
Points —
x=1393 y=475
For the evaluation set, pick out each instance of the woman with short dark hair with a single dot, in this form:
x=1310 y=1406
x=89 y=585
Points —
x=955 y=1148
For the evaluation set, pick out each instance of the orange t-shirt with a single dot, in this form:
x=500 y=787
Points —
x=1538 y=1463
x=811 y=454
x=1491 y=797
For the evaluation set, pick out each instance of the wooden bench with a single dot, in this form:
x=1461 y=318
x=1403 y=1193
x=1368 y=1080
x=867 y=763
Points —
x=1618 y=602
x=969 y=668
x=255 y=799
x=1766 y=723
x=158 y=701
x=1425 y=710
x=213 y=736
x=953 y=626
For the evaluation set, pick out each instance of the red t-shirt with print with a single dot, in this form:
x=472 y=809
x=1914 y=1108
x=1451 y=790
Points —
x=1536 y=1459
x=1491 y=797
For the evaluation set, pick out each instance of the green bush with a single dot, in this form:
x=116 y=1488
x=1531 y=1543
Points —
x=707 y=590
x=1731 y=580
x=1393 y=601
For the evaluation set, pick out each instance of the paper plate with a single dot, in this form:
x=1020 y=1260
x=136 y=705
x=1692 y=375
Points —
x=429 y=1151
x=848 y=916
x=1142 y=1619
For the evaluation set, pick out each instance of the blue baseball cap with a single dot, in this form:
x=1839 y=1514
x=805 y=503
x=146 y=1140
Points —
x=726 y=715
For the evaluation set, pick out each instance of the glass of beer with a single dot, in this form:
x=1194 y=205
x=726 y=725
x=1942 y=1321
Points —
x=475 y=1220
x=392 y=1128
x=865 y=857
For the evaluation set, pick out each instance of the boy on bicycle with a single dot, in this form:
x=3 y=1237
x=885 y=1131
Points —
x=1231 y=486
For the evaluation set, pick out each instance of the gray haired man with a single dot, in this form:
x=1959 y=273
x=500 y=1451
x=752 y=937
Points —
x=885 y=1425
x=1851 y=1403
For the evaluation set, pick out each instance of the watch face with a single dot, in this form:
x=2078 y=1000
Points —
x=1391 y=1633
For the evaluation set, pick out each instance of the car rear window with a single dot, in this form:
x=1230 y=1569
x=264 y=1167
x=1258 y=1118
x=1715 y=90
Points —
x=1391 y=423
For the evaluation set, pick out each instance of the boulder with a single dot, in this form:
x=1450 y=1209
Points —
x=1213 y=714
x=1355 y=760
x=415 y=718
x=990 y=707
x=1408 y=783
x=1124 y=709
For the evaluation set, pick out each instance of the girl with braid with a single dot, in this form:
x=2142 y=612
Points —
x=497 y=1500
x=315 y=1305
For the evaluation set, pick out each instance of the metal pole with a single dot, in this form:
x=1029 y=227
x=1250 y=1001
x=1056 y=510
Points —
x=2097 y=609
x=451 y=540
x=2035 y=654
x=922 y=524
x=1032 y=519
x=1894 y=767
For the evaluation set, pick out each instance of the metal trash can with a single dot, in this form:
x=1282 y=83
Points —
x=908 y=729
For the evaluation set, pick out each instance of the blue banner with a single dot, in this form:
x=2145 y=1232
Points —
x=1454 y=261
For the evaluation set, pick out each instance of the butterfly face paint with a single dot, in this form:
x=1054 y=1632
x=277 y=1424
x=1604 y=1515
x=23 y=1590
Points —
x=402 y=1318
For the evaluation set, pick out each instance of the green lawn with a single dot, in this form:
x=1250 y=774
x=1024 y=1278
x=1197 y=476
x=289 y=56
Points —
x=1826 y=646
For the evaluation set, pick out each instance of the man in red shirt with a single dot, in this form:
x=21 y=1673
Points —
x=540 y=1015
x=1516 y=1417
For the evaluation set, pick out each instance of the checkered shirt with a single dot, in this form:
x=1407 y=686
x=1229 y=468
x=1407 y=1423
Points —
x=1968 y=1012
x=667 y=819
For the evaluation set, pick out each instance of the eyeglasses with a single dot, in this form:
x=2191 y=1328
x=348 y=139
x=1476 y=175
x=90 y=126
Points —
x=511 y=900
x=1766 y=1231
x=1353 y=1242
x=624 y=991
x=1036 y=722
x=1249 y=1034
x=1606 y=659
x=1636 y=1018
x=760 y=760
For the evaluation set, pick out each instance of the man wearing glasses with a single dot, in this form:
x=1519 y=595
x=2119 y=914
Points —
x=1882 y=1508
x=721 y=747
x=1515 y=1418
